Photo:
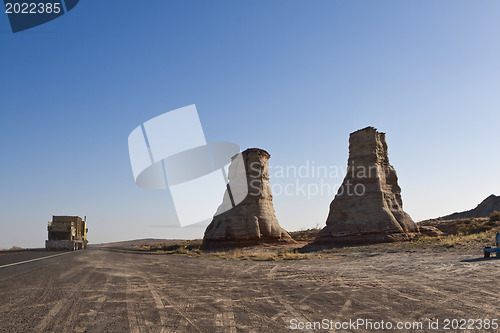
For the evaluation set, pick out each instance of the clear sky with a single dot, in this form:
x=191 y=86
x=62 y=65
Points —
x=291 y=77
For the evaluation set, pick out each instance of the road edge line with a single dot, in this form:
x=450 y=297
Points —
x=36 y=259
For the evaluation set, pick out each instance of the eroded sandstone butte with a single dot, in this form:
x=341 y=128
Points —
x=368 y=207
x=253 y=220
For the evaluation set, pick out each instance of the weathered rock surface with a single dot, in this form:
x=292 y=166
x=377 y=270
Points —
x=484 y=209
x=368 y=207
x=253 y=220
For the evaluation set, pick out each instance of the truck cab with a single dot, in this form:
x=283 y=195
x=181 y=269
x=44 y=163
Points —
x=67 y=233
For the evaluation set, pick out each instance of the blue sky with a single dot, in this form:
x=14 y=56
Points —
x=292 y=77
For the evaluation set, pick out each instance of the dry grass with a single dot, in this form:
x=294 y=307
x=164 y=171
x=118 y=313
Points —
x=192 y=249
x=466 y=226
x=183 y=247
x=462 y=233
x=14 y=248
x=257 y=254
x=305 y=235
x=471 y=240
x=469 y=232
x=495 y=216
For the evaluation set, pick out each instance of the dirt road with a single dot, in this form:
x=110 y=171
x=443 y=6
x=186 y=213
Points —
x=120 y=290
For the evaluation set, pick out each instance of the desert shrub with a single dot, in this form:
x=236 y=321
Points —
x=472 y=226
x=263 y=255
x=475 y=240
x=194 y=244
x=467 y=226
x=495 y=216
x=306 y=235
x=192 y=248
x=292 y=255
x=14 y=248
x=180 y=247
x=172 y=247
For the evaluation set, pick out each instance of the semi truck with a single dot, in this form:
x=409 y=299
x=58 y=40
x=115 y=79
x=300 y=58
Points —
x=67 y=233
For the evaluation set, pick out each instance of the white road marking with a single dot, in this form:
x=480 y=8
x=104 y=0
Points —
x=23 y=262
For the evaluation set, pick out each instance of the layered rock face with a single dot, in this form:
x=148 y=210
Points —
x=368 y=207
x=253 y=220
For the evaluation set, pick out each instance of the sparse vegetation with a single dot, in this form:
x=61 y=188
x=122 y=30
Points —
x=306 y=235
x=466 y=226
x=259 y=254
x=468 y=237
x=184 y=247
x=14 y=248
x=192 y=249
x=495 y=217
x=474 y=226
x=474 y=239
x=242 y=254
x=461 y=233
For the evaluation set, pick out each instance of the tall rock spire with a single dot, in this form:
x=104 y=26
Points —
x=252 y=221
x=368 y=207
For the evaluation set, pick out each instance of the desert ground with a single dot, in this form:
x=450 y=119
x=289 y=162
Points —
x=124 y=289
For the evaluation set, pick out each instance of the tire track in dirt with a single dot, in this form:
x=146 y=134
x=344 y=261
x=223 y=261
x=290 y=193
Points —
x=61 y=304
x=185 y=318
x=38 y=294
x=90 y=322
x=288 y=311
x=132 y=314
x=165 y=320
x=224 y=320
x=71 y=309
x=173 y=316
x=342 y=311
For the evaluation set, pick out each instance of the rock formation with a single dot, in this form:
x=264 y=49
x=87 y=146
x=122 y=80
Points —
x=484 y=209
x=252 y=221
x=368 y=207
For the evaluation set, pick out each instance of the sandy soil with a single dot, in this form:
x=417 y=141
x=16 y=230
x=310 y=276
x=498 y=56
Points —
x=123 y=290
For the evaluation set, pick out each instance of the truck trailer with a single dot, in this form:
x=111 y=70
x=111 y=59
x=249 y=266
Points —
x=67 y=233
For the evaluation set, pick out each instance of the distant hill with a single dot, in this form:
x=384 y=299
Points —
x=484 y=209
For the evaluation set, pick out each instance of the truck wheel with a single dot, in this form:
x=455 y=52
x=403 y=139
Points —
x=487 y=254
